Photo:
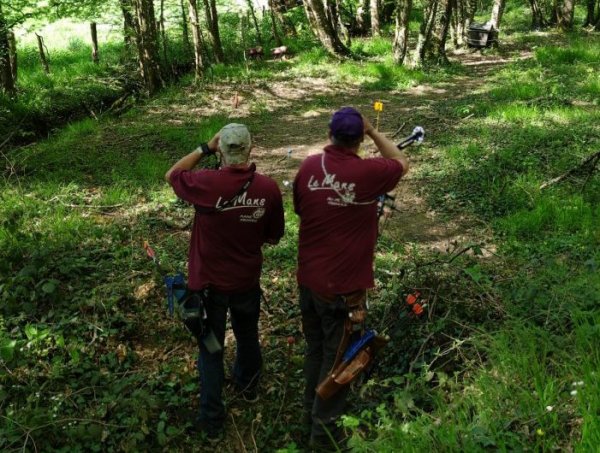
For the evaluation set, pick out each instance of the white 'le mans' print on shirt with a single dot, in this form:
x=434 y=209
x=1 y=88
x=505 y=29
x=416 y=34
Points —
x=245 y=202
x=344 y=190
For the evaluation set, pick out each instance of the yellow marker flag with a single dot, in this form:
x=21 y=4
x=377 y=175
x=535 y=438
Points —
x=378 y=106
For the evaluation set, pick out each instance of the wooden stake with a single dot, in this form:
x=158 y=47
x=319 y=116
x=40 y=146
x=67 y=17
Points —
x=94 y=31
x=43 y=58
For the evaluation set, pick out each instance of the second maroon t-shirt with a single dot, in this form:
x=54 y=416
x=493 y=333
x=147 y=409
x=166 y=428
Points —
x=335 y=196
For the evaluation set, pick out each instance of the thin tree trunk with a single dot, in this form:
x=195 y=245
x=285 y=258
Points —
x=250 y=4
x=43 y=58
x=129 y=32
x=375 y=26
x=195 y=23
x=423 y=42
x=537 y=15
x=442 y=35
x=185 y=34
x=279 y=9
x=589 y=17
x=497 y=11
x=343 y=30
x=362 y=17
x=12 y=55
x=147 y=43
x=471 y=7
x=163 y=33
x=565 y=12
x=94 y=33
x=7 y=81
x=274 y=25
x=403 y=10
x=213 y=26
x=323 y=29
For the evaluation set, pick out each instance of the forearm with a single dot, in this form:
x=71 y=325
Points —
x=388 y=149
x=185 y=163
x=191 y=160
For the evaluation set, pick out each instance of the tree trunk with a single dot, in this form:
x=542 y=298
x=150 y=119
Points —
x=250 y=4
x=537 y=15
x=375 y=26
x=497 y=11
x=94 y=33
x=212 y=20
x=129 y=32
x=403 y=10
x=362 y=17
x=147 y=44
x=471 y=9
x=12 y=55
x=279 y=9
x=340 y=26
x=195 y=23
x=565 y=10
x=185 y=34
x=274 y=24
x=589 y=17
x=163 y=34
x=7 y=81
x=43 y=58
x=429 y=14
x=335 y=18
x=323 y=29
x=441 y=35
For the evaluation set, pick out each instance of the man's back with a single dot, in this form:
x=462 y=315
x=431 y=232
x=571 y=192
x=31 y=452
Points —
x=335 y=196
x=230 y=227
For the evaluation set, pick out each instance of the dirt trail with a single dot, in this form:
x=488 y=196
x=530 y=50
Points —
x=301 y=127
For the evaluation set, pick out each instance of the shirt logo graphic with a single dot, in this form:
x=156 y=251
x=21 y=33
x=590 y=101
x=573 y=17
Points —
x=241 y=202
x=345 y=190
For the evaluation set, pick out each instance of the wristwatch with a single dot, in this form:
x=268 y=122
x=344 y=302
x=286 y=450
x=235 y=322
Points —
x=203 y=149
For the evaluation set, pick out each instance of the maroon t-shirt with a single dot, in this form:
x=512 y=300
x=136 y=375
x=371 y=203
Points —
x=225 y=249
x=335 y=196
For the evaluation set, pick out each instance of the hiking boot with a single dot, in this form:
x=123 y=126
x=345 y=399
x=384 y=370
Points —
x=210 y=434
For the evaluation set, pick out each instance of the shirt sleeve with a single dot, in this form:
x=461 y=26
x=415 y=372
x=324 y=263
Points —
x=384 y=175
x=188 y=185
x=276 y=224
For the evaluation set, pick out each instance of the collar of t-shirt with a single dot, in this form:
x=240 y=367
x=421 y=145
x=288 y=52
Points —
x=246 y=169
x=343 y=153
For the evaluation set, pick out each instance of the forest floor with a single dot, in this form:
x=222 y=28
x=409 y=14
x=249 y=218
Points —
x=118 y=373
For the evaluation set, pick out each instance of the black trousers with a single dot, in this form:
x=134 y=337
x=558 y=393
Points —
x=245 y=310
x=323 y=326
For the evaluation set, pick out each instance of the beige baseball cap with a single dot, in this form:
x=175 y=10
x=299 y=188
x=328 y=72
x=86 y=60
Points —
x=235 y=139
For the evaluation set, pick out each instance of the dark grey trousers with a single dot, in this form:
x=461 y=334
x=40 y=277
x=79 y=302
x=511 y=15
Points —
x=323 y=326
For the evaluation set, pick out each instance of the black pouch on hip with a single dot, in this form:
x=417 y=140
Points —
x=192 y=311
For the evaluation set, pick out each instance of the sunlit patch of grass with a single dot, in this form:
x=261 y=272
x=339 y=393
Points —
x=560 y=216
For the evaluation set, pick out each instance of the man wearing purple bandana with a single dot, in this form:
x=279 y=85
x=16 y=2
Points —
x=335 y=195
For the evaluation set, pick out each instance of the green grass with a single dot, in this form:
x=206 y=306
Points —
x=537 y=388
x=497 y=367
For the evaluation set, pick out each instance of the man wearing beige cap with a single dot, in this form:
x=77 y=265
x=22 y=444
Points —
x=237 y=211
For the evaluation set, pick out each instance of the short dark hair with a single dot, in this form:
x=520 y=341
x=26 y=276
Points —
x=346 y=142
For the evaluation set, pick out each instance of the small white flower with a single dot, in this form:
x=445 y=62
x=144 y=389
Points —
x=573 y=392
x=286 y=183
x=549 y=408
x=580 y=383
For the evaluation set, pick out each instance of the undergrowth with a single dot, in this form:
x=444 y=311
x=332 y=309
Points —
x=505 y=356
